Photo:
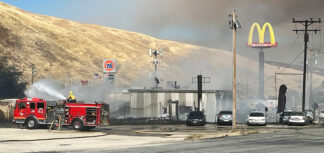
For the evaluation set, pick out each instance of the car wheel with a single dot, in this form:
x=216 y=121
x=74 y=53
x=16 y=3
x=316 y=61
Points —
x=31 y=123
x=77 y=124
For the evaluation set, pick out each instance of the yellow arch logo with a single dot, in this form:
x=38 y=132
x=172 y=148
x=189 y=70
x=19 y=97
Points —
x=261 y=32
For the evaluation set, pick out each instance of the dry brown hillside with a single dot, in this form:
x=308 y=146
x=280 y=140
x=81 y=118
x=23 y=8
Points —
x=57 y=46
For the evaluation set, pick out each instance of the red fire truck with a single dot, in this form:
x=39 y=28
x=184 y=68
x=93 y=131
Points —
x=35 y=112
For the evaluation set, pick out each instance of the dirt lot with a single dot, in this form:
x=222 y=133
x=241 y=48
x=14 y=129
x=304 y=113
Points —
x=115 y=137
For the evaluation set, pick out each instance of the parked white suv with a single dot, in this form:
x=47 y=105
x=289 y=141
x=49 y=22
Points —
x=256 y=118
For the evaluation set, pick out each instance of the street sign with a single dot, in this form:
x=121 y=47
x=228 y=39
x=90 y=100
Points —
x=109 y=65
x=111 y=77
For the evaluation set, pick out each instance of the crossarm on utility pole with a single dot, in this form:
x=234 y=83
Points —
x=307 y=30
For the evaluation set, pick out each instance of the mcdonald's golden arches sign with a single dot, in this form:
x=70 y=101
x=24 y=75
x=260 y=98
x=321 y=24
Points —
x=261 y=43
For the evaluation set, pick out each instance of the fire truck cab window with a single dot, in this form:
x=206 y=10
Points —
x=22 y=105
x=32 y=105
x=40 y=105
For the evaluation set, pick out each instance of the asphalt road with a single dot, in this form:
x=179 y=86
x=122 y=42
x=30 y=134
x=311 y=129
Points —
x=298 y=141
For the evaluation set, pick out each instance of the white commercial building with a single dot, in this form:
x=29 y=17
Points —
x=155 y=103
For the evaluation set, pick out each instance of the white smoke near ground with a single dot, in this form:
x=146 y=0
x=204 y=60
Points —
x=99 y=91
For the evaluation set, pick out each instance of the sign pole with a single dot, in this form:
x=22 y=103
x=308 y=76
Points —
x=261 y=74
x=199 y=82
x=109 y=68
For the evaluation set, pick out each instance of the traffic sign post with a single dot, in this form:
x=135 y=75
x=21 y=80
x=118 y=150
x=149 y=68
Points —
x=109 y=66
x=200 y=80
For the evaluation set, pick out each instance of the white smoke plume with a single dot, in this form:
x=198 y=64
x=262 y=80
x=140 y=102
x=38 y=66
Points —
x=99 y=91
x=50 y=89
x=46 y=89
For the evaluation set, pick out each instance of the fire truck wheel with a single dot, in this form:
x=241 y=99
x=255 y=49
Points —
x=77 y=124
x=31 y=123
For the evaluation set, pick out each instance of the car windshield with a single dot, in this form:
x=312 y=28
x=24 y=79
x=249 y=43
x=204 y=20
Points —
x=195 y=115
x=286 y=113
x=256 y=114
x=225 y=112
x=296 y=114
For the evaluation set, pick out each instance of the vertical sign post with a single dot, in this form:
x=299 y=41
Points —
x=199 y=77
x=109 y=66
x=200 y=80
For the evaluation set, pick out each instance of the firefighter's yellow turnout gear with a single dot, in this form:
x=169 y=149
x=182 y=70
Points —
x=71 y=98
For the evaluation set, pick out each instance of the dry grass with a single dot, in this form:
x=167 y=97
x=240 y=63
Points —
x=221 y=134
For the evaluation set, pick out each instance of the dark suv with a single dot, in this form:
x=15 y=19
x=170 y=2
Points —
x=284 y=117
x=196 y=118
x=224 y=118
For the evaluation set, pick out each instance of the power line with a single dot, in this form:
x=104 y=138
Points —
x=290 y=63
x=306 y=23
x=288 y=52
x=293 y=60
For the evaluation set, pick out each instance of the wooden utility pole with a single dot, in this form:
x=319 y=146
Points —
x=234 y=70
x=306 y=23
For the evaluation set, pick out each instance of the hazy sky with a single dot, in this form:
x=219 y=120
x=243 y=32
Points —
x=199 y=22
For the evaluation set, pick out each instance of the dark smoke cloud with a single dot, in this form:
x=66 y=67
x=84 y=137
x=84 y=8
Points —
x=158 y=14
x=208 y=20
